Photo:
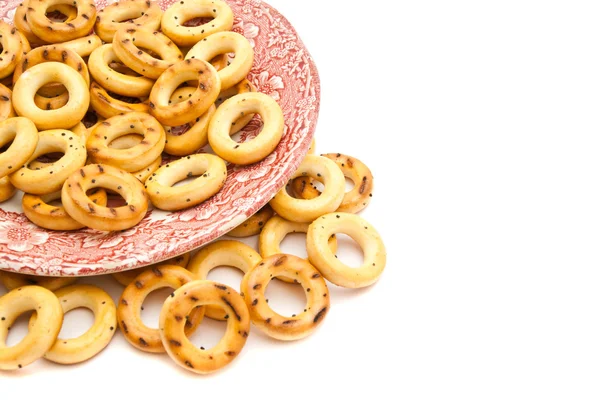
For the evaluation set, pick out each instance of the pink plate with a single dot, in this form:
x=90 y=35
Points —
x=284 y=69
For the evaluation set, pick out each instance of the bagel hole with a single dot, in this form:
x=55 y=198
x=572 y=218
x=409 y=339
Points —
x=287 y=299
x=186 y=180
x=48 y=158
x=56 y=16
x=250 y=130
x=197 y=21
x=114 y=199
x=75 y=323
x=349 y=185
x=209 y=333
x=121 y=68
x=227 y=275
x=125 y=141
x=294 y=244
x=349 y=251
x=152 y=306
x=19 y=329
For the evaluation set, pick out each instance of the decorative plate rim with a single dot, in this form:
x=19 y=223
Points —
x=297 y=136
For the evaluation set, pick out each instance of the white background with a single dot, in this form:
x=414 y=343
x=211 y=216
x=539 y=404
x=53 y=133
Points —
x=479 y=120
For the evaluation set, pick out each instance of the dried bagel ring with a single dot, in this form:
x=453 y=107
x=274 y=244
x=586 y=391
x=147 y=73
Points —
x=56 y=32
x=298 y=270
x=127 y=13
x=172 y=332
x=242 y=87
x=39 y=211
x=201 y=100
x=52 y=103
x=51 y=178
x=222 y=253
x=108 y=106
x=6 y=107
x=112 y=80
x=173 y=19
x=253 y=225
x=210 y=172
x=12 y=280
x=275 y=231
x=331 y=267
x=224 y=43
x=313 y=147
x=126 y=277
x=258 y=148
x=126 y=45
x=24 y=137
x=34 y=78
x=52 y=53
x=20 y=22
x=40 y=337
x=82 y=209
x=195 y=134
x=83 y=45
x=302 y=210
x=7 y=190
x=357 y=198
x=130 y=159
x=98 y=336
x=80 y=131
x=130 y=306
x=12 y=48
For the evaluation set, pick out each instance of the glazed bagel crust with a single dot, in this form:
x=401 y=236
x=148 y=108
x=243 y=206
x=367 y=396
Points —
x=51 y=177
x=299 y=270
x=130 y=305
x=209 y=86
x=37 y=210
x=24 y=137
x=34 y=78
x=224 y=43
x=127 y=43
x=143 y=13
x=125 y=278
x=108 y=106
x=130 y=159
x=41 y=337
x=82 y=209
x=12 y=48
x=98 y=336
x=222 y=253
x=301 y=210
x=83 y=45
x=179 y=347
x=173 y=19
x=12 y=280
x=112 y=80
x=331 y=267
x=210 y=172
x=260 y=146
x=253 y=225
x=56 y=32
